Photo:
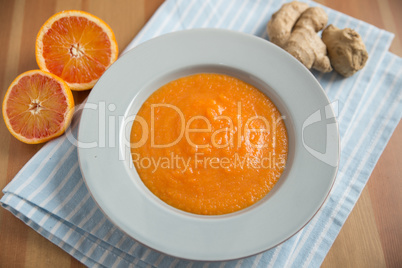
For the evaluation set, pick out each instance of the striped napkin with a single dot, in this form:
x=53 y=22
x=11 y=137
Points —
x=49 y=194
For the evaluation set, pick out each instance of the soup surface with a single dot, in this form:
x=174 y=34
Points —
x=209 y=144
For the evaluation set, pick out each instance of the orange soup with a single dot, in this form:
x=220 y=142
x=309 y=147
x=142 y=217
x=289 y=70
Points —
x=209 y=144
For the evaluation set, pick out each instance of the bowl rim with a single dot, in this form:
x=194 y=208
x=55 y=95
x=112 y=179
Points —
x=113 y=196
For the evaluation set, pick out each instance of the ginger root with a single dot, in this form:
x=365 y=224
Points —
x=346 y=50
x=294 y=28
x=282 y=21
x=304 y=43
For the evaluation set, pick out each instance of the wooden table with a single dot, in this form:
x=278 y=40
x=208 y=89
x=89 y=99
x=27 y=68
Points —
x=372 y=235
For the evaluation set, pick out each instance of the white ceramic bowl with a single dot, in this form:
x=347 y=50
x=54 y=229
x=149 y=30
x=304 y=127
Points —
x=106 y=164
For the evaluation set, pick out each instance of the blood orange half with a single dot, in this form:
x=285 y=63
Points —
x=76 y=46
x=37 y=107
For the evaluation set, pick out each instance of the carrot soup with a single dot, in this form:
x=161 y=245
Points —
x=209 y=144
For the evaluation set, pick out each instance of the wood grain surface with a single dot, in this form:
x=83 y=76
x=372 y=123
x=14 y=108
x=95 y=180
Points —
x=371 y=236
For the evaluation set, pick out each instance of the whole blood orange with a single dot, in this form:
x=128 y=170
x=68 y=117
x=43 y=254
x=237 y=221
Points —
x=37 y=107
x=76 y=46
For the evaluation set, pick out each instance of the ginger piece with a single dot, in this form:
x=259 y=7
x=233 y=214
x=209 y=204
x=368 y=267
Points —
x=305 y=44
x=346 y=50
x=282 y=21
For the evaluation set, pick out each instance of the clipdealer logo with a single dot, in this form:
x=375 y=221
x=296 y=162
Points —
x=108 y=125
x=330 y=112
